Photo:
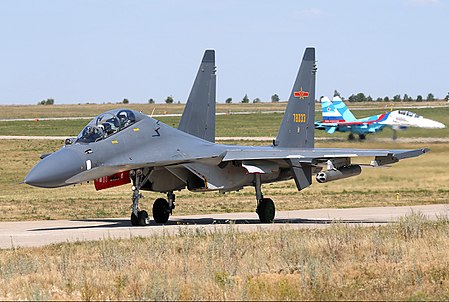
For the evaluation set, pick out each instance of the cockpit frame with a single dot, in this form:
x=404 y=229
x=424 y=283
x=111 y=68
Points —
x=408 y=113
x=106 y=125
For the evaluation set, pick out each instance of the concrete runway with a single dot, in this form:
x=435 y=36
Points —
x=39 y=233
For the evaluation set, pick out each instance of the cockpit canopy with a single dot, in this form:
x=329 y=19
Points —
x=408 y=113
x=107 y=124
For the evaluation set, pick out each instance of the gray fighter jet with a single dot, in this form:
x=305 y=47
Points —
x=124 y=146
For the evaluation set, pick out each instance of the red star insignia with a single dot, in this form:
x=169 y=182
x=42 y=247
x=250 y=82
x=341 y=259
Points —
x=301 y=94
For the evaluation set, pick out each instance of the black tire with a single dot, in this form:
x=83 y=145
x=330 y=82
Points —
x=142 y=217
x=362 y=137
x=134 y=220
x=161 y=210
x=266 y=210
x=351 y=137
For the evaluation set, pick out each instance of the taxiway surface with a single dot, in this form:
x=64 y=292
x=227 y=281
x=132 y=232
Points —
x=39 y=233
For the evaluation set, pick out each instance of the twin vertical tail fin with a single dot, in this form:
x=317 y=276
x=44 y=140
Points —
x=329 y=112
x=297 y=126
x=343 y=109
x=198 y=117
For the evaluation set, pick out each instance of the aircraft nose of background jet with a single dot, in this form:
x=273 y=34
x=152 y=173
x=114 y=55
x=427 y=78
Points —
x=55 y=169
x=439 y=125
x=434 y=124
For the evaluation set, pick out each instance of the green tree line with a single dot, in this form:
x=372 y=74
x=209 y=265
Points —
x=361 y=97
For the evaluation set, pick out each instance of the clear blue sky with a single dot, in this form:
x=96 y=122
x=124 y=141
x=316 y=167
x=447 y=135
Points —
x=104 y=51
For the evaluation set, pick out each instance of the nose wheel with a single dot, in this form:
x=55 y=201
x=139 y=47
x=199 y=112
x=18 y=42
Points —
x=162 y=208
x=140 y=219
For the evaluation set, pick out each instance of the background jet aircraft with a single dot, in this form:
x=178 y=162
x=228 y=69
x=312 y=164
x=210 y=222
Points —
x=337 y=117
x=123 y=146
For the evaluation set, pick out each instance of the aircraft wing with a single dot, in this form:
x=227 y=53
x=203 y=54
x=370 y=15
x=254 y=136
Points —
x=315 y=155
x=366 y=121
x=322 y=125
x=329 y=127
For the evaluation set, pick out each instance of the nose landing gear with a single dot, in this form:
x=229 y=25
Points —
x=138 y=217
x=162 y=208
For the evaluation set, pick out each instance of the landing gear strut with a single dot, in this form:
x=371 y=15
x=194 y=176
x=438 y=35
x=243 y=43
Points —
x=265 y=206
x=163 y=208
x=138 y=217
x=395 y=135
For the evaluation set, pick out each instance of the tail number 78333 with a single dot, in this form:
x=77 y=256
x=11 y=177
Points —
x=299 y=117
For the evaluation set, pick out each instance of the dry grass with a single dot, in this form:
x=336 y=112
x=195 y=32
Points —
x=421 y=180
x=255 y=124
x=83 y=110
x=407 y=260
x=86 y=110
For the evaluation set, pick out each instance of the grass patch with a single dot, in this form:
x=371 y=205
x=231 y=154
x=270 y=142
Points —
x=91 y=110
x=257 y=124
x=403 y=261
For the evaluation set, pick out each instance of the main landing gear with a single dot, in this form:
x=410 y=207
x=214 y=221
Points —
x=351 y=137
x=265 y=206
x=161 y=207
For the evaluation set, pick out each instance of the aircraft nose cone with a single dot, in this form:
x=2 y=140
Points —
x=440 y=125
x=433 y=124
x=55 y=169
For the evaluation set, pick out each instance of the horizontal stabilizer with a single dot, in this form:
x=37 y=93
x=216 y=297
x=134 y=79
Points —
x=331 y=130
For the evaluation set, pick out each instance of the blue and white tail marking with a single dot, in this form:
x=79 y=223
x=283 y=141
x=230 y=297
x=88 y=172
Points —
x=343 y=109
x=329 y=112
x=331 y=116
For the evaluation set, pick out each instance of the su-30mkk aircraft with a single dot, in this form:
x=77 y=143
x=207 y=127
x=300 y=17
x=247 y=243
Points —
x=124 y=146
